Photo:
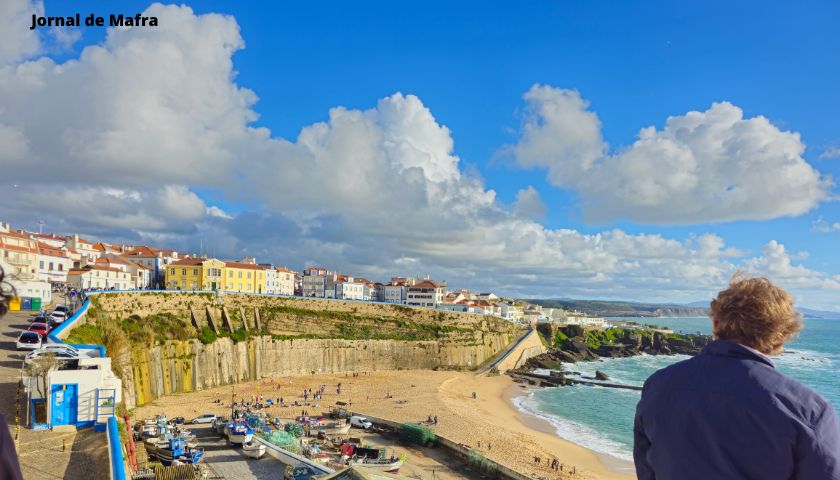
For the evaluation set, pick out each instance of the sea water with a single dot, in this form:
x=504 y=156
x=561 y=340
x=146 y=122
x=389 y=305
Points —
x=602 y=418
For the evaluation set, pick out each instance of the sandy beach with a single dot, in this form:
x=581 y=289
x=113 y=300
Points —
x=490 y=422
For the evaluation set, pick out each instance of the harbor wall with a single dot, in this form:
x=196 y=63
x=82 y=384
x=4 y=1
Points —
x=186 y=366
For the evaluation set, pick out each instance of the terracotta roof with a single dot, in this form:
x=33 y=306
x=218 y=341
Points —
x=188 y=262
x=248 y=266
x=100 y=246
x=45 y=249
x=284 y=269
x=426 y=284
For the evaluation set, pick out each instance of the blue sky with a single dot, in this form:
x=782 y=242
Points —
x=470 y=63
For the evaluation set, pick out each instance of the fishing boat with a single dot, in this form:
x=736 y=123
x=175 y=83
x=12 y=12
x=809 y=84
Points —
x=253 y=449
x=175 y=449
x=387 y=465
x=238 y=432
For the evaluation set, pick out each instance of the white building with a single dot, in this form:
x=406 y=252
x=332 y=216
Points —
x=349 y=288
x=141 y=276
x=270 y=279
x=53 y=263
x=99 y=278
x=462 y=307
x=510 y=311
x=71 y=394
x=284 y=281
x=84 y=248
x=426 y=293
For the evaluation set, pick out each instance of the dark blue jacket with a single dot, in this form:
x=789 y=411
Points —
x=729 y=414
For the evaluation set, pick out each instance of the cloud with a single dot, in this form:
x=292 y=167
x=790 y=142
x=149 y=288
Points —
x=710 y=166
x=776 y=263
x=118 y=142
x=529 y=204
x=17 y=41
x=822 y=226
x=831 y=152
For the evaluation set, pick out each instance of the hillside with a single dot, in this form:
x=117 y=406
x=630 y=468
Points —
x=603 y=308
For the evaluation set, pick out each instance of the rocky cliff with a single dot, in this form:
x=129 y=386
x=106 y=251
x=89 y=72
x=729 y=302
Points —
x=182 y=342
x=574 y=343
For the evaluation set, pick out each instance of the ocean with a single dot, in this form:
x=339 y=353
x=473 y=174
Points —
x=601 y=419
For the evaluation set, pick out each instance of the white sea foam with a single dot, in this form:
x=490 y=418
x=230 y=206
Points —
x=573 y=431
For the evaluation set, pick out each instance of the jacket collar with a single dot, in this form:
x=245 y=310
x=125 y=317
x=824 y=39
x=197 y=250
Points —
x=725 y=348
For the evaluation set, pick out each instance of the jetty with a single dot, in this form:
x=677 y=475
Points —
x=557 y=381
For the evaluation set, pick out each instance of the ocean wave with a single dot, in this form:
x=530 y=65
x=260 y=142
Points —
x=574 y=431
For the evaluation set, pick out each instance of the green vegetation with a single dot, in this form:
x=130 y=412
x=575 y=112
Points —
x=207 y=335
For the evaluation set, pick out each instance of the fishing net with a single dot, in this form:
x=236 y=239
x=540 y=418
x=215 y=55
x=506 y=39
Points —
x=282 y=439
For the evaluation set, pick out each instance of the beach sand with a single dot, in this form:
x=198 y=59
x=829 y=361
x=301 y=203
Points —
x=489 y=423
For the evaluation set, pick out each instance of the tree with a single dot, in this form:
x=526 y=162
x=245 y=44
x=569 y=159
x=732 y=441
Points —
x=39 y=371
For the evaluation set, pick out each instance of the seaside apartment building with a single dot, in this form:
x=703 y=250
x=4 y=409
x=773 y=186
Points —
x=349 y=288
x=284 y=281
x=99 y=277
x=426 y=293
x=195 y=274
x=319 y=282
x=244 y=277
x=396 y=290
x=53 y=263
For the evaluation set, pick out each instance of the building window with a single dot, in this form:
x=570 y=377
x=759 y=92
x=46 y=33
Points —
x=42 y=264
x=183 y=271
x=52 y=266
x=60 y=267
x=195 y=271
x=172 y=271
x=240 y=276
x=249 y=274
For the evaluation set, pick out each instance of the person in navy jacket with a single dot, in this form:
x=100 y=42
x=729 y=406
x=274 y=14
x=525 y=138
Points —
x=728 y=413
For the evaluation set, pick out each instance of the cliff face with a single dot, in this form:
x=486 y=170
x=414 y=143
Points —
x=182 y=342
x=187 y=366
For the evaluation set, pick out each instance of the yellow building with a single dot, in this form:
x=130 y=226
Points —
x=244 y=277
x=195 y=274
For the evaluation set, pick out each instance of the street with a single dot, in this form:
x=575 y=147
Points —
x=63 y=453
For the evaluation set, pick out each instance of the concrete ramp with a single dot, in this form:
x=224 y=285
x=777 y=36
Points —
x=529 y=345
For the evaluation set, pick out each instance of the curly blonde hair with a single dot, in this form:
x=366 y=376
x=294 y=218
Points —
x=756 y=313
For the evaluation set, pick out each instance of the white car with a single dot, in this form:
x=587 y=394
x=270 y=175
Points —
x=28 y=341
x=361 y=422
x=205 y=418
x=58 y=317
x=60 y=355
x=59 y=347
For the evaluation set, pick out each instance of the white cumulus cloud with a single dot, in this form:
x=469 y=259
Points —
x=709 y=166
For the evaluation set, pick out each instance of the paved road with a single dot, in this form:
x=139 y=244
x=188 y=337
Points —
x=225 y=462
x=63 y=454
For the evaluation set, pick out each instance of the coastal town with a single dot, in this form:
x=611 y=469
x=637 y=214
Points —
x=70 y=289
x=42 y=263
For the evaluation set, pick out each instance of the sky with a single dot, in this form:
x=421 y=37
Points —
x=636 y=151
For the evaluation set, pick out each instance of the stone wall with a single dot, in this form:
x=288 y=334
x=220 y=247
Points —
x=187 y=366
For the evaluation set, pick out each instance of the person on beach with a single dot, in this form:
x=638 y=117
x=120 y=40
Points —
x=728 y=413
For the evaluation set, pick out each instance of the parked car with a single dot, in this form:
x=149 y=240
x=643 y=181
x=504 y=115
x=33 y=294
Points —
x=60 y=308
x=43 y=318
x=60 y=355
x=28 y=341
x=58 y=317
x=360 y=422
x=41 y=329
x=60 y=347
x=205 y=418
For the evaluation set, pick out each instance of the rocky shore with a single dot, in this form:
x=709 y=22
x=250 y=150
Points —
x=573 y=343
